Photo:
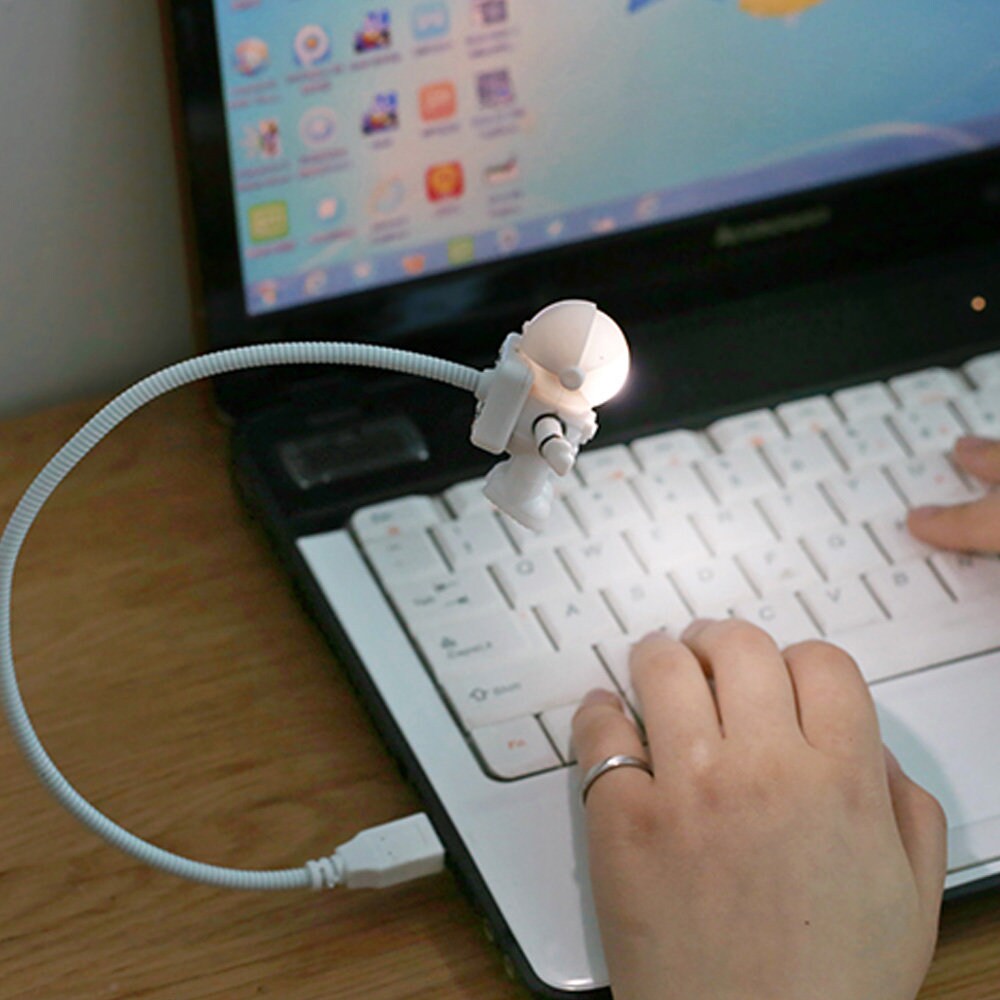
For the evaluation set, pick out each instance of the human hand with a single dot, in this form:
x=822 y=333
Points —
x=973 y=526
x=779 y=851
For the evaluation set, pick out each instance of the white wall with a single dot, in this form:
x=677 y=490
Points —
x=92 y=285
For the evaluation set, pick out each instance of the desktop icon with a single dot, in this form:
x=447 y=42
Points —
x=508 y=239
x=252 y=56
x=503 y=171
x=414 y=263
x=329 y=209
x=444 y=181
x=487 y=13
x=438 y=101
x=312 y=46
x=267 y=292
x=318 y=127
x=431 y=20
x=263 y=139
x=382 y=114
x=314 y=282
x=375 y=31
x=494 y=88
x=461 y=250
x=387 y=196
x=268 y=221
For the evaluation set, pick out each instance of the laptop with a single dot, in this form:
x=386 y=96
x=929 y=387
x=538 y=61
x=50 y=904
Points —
x=792 y=209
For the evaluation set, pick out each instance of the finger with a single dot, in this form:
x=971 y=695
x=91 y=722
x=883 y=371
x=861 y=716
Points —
x=836 y=710
x=600 y=730
x=924 y=831
x=752 y=687
x=970 y=527
x=980 y=456
x=675 y=700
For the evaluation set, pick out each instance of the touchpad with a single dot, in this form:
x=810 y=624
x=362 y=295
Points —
x=942 y=724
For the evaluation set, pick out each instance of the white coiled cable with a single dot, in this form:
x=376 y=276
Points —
x=313 y=874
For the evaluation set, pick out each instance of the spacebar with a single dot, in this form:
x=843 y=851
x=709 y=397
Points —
x=935 y=636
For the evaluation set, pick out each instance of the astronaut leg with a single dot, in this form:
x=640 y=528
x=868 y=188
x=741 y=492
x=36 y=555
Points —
x=522 y=486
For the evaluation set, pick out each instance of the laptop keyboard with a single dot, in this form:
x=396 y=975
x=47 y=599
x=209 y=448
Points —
x=792 y=518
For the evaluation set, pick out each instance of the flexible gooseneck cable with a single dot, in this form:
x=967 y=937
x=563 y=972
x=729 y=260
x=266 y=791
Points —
x=314 y=874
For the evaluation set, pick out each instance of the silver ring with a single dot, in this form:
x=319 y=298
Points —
x=609 y=764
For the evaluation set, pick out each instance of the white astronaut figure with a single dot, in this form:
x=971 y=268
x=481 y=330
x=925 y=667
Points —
x=537 y=402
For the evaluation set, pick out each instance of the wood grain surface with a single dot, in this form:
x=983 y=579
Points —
x=173 y=677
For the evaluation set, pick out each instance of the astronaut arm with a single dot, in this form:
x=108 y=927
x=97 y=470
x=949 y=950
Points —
x=554 y=447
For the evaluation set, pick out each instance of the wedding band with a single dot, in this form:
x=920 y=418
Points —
x=609 y=764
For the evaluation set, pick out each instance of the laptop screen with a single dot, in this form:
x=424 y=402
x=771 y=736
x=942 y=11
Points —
x=371 y=145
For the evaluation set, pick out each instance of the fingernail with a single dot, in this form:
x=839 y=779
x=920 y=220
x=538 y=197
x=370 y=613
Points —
x=925 y=513
x=599 y=696
x=971 y=444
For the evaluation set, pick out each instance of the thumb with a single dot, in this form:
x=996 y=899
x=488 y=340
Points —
x=923 y=828
x=972 y=526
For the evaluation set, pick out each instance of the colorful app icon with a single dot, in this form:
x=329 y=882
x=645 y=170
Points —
x=263 y=140
x=329 y=209
x=438 y=101
x=487 y=13
x=503 y=171
x=414 y=263
x=363 y=270
x=314 y=282
x=382 y=114
x=252 y=56
x=431 y=20
x=312 y=46
x=267 y=292
x=555 y=228
x=445 y=180
x=268 y=221
x=388 y=195
x=318 y=127
x=461 y=250
x=494 y=88
x=508 y=239
x=375 y=31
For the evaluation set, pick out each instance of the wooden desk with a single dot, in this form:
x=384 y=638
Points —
x=173 y=677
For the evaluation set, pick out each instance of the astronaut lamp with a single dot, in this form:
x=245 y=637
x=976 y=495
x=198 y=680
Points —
x=537 y=403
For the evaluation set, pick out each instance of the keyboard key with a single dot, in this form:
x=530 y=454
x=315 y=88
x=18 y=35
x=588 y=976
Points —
x=472 y=540
x=808 y=416
x=939 y=635
x=508 y=689
x=577 y=619
x=444 y=597
x=968 y=576
x=933 y=427
x=711 y=587
x=664 y=544
x=611 y=505
x=778 y=567
x=981 y=411
x=801 y=457
x=600 y=465
x=793 y=512
x=527 y=579
x=672 y=491
x=869 y=441
x=595 y=563
x=892 y=534
x=907 y=588
x=844 y=551
x=479 y=642
x=394 y=517
x=648 y=605
x=733 y=528
x=515 y=749
x=931 y=385
x=746 y=430
x=985 y=370
x=841 y=605
x=864 y=494
x=558 y=723
x=670 y=449
x=872 y=399
x=738 y=475
x=560 y=527
x=408 y=555
x=782 y=617
x=929 y=479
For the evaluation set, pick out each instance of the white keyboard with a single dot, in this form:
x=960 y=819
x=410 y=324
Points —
x=792 y=518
